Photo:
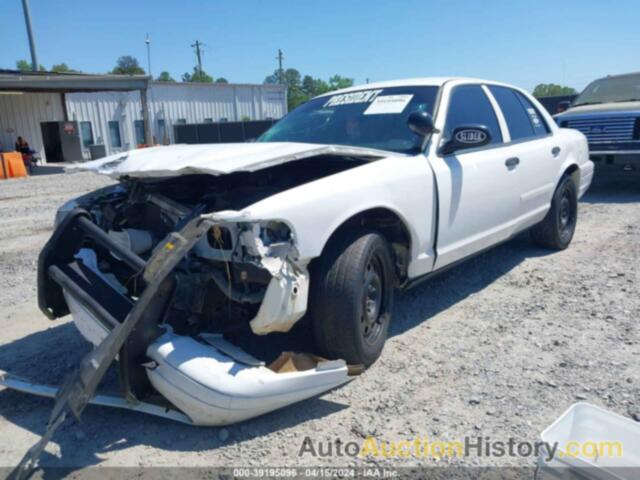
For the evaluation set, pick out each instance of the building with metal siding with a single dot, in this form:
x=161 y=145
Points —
x=171 y=104
x=109 y=108
x=21 y=114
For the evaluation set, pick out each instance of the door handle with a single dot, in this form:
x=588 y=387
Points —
x=555 y=151
x=512 y=162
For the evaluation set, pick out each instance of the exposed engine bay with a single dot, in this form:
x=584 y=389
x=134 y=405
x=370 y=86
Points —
x=239 y=272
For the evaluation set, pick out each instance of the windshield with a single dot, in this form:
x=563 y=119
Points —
x=613 y=89
x=374 y=118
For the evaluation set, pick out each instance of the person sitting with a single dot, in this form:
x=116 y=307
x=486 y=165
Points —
x=22 y=146
x=28 y=156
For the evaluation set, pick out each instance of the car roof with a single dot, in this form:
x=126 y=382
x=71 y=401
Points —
x=620 y=75
x=413 y=82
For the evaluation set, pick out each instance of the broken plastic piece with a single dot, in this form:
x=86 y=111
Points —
x=284 y=302
x=213 y=388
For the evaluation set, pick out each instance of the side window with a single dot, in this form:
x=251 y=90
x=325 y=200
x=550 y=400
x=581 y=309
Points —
x=87 y=134
x=469 y=105
x=114 y=134
x=538 y=124
x=514 y=113
x=140 y=136
x=161 y=129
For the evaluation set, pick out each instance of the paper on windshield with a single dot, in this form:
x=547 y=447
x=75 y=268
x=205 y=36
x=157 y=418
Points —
x=363 y=96
x=388 y=104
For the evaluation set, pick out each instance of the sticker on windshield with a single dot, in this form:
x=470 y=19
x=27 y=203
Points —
x=364 y=96
x=388 y=104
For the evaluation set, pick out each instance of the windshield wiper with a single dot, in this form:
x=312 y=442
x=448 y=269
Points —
x=628 y=100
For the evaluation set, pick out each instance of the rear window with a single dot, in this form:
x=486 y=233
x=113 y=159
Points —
x=517 y=118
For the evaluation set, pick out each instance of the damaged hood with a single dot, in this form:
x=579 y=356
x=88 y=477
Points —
x=214 y=159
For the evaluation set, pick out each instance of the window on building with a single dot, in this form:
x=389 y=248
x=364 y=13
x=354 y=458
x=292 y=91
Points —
x=514 y=113
x=538 y=123
x=140 y=136
x=114 y=134
x=181 y=121
x=87 y=134
x=208 y=120
x=161 y=129
x=469 y=105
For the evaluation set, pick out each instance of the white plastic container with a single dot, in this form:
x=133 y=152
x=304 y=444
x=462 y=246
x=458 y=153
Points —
x=591 y=425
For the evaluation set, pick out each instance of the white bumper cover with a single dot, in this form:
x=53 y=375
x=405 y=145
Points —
x=214 y=389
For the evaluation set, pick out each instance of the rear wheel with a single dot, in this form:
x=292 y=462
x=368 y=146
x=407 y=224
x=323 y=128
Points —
x=557 y=229
x=352 y=297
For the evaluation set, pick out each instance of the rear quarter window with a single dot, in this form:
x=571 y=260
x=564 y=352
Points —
x=538 y=122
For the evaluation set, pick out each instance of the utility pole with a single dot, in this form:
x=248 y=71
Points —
x=280 y=57
x=147 y=40
x=32 y=42
x=197 y=46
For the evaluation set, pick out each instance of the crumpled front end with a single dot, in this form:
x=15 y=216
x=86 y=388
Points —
x=239 y=277
x=267 y=247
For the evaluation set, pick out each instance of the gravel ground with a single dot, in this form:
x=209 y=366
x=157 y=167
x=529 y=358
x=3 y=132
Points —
x=498 y=347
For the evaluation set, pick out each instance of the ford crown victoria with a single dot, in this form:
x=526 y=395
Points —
x=350 y=197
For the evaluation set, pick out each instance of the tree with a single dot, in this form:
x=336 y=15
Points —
x=197 y=76
x=293 y=81
x=25 y=66
x=221 y=80
x=62 y=68
x=314 y=86
x=128 y=65
x=299 y=90
x=165 y=77
x=552 y=90
x=337 y=82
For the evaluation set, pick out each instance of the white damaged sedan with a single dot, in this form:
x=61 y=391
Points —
x=351 y=196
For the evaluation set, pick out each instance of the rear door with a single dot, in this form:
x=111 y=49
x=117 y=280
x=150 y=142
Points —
x=535 y=147
x=477 y=188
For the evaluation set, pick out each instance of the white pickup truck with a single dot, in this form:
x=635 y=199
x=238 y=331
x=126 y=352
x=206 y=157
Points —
x=353 y=195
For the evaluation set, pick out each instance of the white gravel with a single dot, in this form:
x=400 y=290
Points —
x=498 y=347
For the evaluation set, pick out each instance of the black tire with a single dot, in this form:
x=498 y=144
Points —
x=351 y=298
x=557 y=229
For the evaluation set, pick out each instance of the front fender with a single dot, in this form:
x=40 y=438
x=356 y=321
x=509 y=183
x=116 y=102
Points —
x=314 y=211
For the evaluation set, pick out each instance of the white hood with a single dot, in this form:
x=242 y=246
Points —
x=213 y=159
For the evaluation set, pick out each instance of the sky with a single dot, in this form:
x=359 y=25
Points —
x=522 y=42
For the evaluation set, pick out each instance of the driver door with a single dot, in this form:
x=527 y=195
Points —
x=477 y=187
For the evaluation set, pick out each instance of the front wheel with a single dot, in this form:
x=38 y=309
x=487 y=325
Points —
x=352 y=297
x=557 y=229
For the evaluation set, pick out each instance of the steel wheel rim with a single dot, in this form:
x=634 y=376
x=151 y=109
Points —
x=371 y=319
x=566 y=214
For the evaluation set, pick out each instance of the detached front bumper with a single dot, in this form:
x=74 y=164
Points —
x=204 y=381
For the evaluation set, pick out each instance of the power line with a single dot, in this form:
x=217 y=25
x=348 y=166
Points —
x=280 y=57
x=197 y=46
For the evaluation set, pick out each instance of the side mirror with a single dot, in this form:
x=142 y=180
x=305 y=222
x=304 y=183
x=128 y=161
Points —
x=467 y=136
x=420 y=123
x=563 y=106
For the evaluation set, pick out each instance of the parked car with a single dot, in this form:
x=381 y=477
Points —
x=608 y=113
x=557 y=104
x=353 y=195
